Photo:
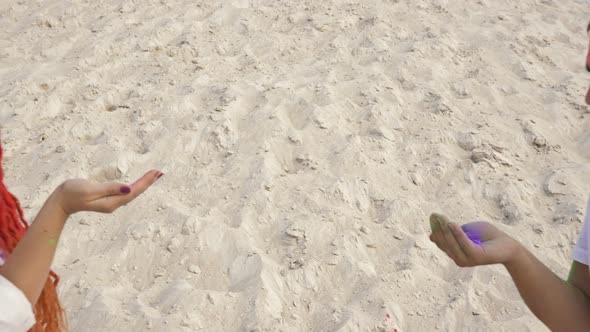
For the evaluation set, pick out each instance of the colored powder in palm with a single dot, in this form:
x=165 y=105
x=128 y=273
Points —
x=473 y=236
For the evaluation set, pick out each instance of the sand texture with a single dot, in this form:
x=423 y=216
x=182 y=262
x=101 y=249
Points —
x=304 y=143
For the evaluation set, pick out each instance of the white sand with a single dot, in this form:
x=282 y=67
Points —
x=304 y=145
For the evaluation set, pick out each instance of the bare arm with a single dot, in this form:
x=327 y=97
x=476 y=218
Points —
x=561 y=305
x=27 y=267
x=580 y=277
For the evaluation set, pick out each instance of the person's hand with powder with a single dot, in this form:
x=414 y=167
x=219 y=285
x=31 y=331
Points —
x=83 y=195
x=472 y=244
x=561 y=305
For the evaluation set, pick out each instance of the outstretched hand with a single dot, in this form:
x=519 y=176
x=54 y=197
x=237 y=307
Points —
x=473 y=244
x=83 y=195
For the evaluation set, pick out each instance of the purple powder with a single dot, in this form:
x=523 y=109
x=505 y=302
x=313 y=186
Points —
x=473 y=236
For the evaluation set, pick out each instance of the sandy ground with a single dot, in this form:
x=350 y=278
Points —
x=304 y=143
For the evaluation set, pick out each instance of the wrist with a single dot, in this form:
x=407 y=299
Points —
x=518 y=255
x=56 y=200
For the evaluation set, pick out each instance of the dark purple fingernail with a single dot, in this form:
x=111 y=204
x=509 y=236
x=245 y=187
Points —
x=160 y=175
x=125 y=189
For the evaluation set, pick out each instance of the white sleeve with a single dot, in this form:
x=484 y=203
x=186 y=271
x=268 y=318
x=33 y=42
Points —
x=16 y=312
x=581 y=252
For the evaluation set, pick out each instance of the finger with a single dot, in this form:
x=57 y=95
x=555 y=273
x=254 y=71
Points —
x=108 y=204
x=113 y=188
x=144 y=182
x=442 y=242
x=434 y=224
x=453 y=246
x=442 y=248
x=437 y=234
x=431 y=237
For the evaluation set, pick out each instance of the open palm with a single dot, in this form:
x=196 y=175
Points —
x=83 y=195
x=473 y=244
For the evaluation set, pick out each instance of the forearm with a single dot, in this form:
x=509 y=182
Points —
x=27 y=267
x=560 y=305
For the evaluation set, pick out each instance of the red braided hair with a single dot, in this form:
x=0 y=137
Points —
x=48 y=311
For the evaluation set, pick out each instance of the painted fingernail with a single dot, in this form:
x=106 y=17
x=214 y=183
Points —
x=160 y=175
x=125 y=189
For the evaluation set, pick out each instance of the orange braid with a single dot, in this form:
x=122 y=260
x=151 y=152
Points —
x=48 y=311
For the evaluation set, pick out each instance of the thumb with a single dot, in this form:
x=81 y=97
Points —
x=114 y=188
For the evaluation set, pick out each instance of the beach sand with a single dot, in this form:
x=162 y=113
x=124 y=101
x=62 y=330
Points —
x=305 y=145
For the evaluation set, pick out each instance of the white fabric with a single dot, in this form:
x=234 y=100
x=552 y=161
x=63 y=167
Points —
x=581 y=252
x=16 y=312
